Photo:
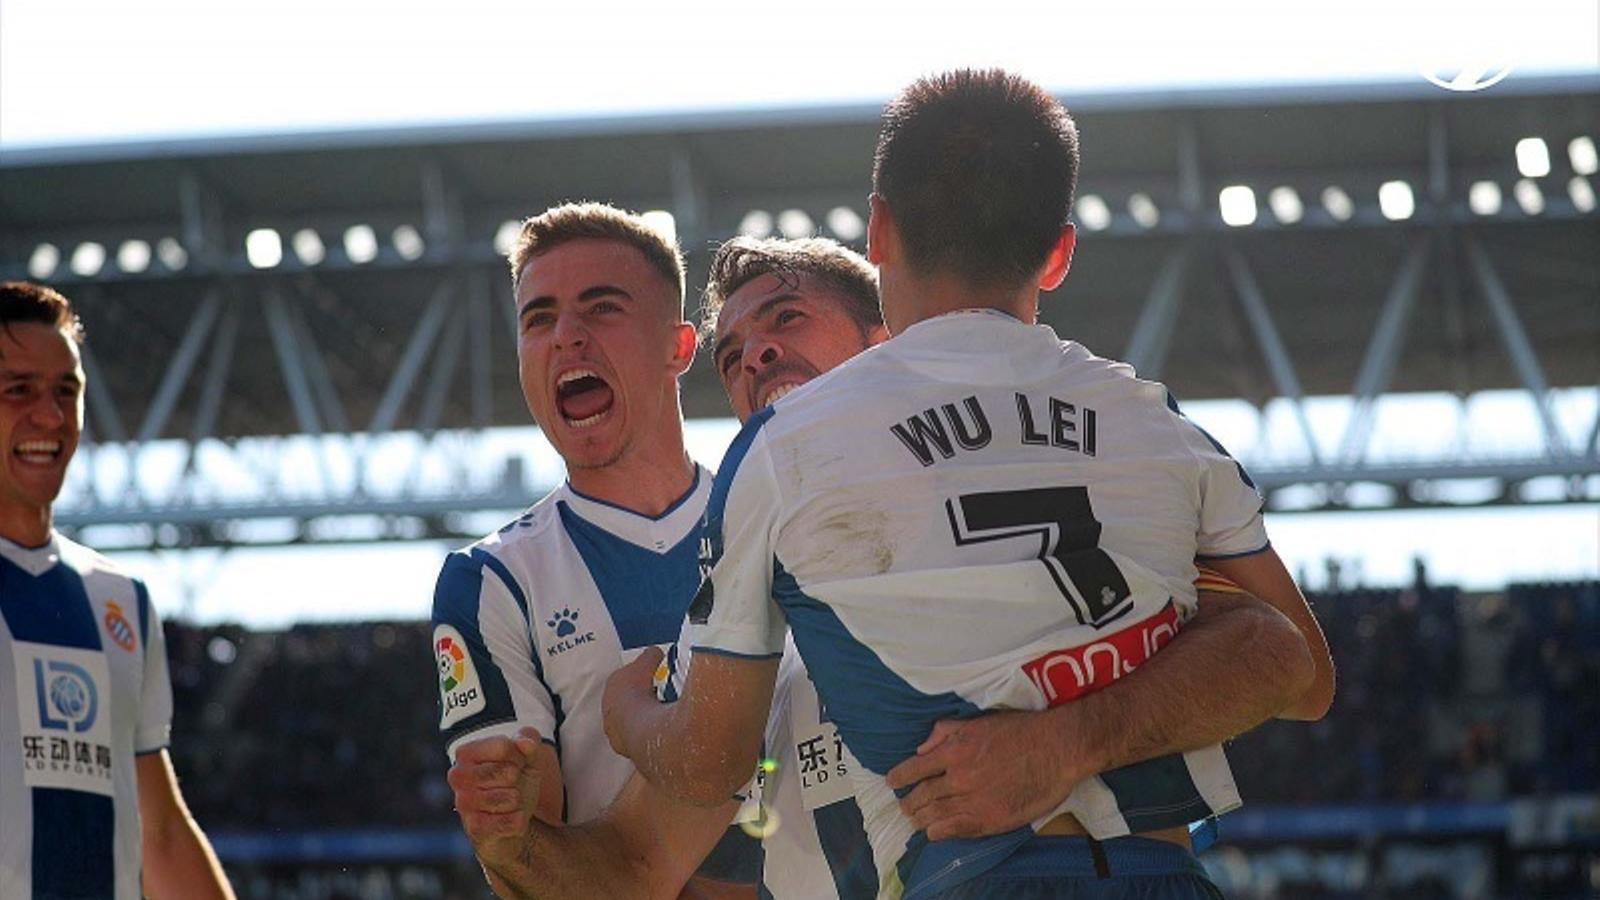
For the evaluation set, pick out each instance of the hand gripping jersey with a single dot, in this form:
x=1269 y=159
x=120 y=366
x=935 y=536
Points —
x=531 y=621
x=801 y=802
x=974 y=515
x=83 y=690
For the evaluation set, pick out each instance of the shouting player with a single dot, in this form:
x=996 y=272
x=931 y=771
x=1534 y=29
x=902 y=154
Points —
x=530 y=621
x=779 y=313
x=88 y=798
x=973 y=516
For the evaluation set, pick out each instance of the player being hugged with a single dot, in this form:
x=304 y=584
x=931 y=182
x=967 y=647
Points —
x=976 y=515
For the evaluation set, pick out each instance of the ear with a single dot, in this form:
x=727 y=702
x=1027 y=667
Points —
x=1060 y=259
x=877 y=334
x=880 y=227
x=684 y=340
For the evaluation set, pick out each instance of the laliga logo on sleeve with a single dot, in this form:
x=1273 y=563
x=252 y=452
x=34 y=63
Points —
x=460 y=694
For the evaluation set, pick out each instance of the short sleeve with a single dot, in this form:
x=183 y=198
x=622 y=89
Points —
x=154 y=730
x=733 y=612
x=490 y=681
x=1230 y=503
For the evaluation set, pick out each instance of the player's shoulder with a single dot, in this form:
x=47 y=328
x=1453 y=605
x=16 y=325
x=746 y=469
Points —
x=1116 y=381
x=522 y=534
x=89 y=562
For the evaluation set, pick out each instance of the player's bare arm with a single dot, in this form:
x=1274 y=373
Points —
x=1237 y=663
x=701 y=749
x=1264 y=575
x=177 y=859
x=643 y=845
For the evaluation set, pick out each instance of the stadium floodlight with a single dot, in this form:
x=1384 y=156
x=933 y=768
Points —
x=663 y=222
x=846 y=224
x=1338 y=203
x=88 y=258
x=308 y=247
x=1483 y=198
x=1582 y=154
x=1285 y=204
x=1143 y=209
x=263 y=248
x=1092 y=212
x=1582 y=193
x=42 y=264
x=360 y=244
x=757 y=223
x=505 y=237
x=1529 y=197
x=794 y=223
x=133 y=256
x=1533 y=157
x=172 y=254
x=1238 y=205
x=408 y=243
x=1396 y=200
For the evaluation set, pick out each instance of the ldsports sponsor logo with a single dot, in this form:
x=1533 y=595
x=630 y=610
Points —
x=1069 y=673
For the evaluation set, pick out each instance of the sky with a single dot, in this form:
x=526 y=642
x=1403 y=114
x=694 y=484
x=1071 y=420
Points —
x=76 y=72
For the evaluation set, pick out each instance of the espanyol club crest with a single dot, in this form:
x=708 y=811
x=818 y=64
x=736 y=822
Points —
x=118 y=627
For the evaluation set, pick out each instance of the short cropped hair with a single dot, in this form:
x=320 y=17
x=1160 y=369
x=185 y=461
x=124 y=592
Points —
x=978 y=169
x=577 y=221
x=22 y=301
x=742 y=260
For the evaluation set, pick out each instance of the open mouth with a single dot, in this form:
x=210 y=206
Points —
x=38 y=453
x=773 y=395
x=583 y=398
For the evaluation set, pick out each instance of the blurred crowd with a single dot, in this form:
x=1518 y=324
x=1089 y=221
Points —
x=1443 y=696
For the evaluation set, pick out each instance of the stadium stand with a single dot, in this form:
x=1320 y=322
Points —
x=1453 y=764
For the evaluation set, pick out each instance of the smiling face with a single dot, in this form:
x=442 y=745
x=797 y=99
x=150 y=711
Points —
x=600 y=347
x=775 y=333
x=41 y=415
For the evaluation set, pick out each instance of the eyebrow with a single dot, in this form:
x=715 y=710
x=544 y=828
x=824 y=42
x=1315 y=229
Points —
x=764 y=309
x=545 y=301
x=25 y=375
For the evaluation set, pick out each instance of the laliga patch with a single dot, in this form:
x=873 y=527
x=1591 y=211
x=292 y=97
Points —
x=64 y=717
x=460 y=693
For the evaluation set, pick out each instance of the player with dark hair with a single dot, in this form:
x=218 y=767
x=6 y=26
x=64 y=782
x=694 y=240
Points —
x=777 y=313
x=89 y=804
x=974 y=516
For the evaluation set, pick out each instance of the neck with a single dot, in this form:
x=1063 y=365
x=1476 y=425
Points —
x=919 y=299
x=647 y=483
x=26 y=527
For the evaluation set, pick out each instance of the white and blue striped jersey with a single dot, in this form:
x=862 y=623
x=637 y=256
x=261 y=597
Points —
x=530 y=622
x=802 y=801
x=83 y=690
x=974 y=515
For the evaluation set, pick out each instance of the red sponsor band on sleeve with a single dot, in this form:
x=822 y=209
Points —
x=1065 y=674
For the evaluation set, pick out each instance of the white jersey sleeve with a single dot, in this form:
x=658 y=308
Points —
x=488 y=669
x=154 y=729
x=1230 y=522
x=734 y=612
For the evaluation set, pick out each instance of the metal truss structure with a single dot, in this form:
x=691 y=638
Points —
x=316 y=330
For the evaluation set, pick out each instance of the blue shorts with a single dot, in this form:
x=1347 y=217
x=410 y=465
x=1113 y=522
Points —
x=1058 y=867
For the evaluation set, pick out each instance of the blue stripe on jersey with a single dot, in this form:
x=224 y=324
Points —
x=879 y=714
x=883 y=719
x=142 y=596
x=493 y=563
x=647 y=593
x=716 y=505
x=1157 y=793
x=73 y=853
x=50 y=609
x=1172 y=404
x=456 y=601
x=844 y=844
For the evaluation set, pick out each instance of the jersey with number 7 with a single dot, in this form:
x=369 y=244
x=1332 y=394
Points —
x=974 y=515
